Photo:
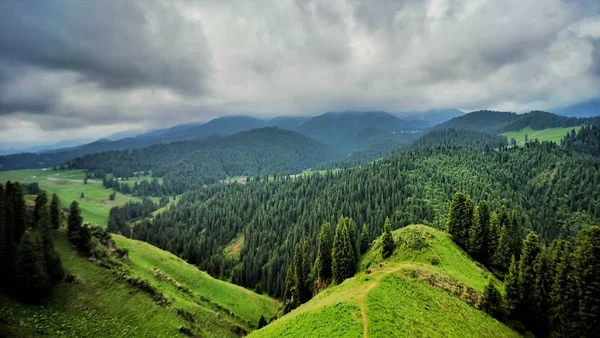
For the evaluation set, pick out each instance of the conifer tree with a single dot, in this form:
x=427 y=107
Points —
x=343 y=258
x=387 y=240
x=31 y=279
x=564 y=303
x=305 y=282
x=493 y=236
x=460 y=218
x=55 y=212
x=541 y=292
x=79 y=234
x=352 y=234
x=529 y=253
x=587 y=273
x=478 y=234
x=491 y=301
x=501 y=258
x=41 y=206
x=365 y=243
x=53 y=263
x=512 y=288
x=324 y=249
x=291 y=297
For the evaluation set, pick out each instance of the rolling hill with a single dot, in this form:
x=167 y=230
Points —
x=494 y=122
x=428 y=287
x=111 y=299
x=188 y=164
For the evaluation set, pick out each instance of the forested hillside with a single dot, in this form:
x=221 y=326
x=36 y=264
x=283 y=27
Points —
x=550 y=191
x=495 y=122
x=185 y=165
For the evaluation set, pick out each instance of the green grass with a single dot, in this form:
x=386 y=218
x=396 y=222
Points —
x=406 y=295
x=244 y=303
x=550 y=134
x=102 y=305
x=68 y=184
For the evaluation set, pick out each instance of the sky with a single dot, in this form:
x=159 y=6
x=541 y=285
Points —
x=86 y=69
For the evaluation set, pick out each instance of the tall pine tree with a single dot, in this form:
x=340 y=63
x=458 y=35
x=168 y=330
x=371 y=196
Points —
x=460 y=218
x=324 y=249
x=587 y=271
x=31 y=279
x=364 y=242
x=55 y=217
x=343 y=258
x=525 y=308
x=512 y=288
x=387 y=239
x=478 y=234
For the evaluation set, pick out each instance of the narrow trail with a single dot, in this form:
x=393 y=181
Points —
x=363 y=299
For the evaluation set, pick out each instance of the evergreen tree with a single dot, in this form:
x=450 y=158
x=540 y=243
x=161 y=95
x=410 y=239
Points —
x=79 y=234
x=325 y=247
x=41 y=206
x=291 y=297
x=55 y=218
x=352 y=234
x=501 y=258
x=53 y=263
x=493 y=236
x=31 y=279
x=587 y=273
x=365 y=243
x=460 y=218
x=387 y=240
x=305 y=282
x=525 y=308
x=563 y=294
x=478 y=234
x=343 y=258
x=512 y=289
x=541 y=293
x=491 y=301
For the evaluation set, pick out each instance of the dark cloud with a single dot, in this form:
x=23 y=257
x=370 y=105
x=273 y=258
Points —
x=118 y=44
x=90 y=67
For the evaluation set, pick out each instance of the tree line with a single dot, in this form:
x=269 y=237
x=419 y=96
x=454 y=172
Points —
x=554 y=289
x=31 y=265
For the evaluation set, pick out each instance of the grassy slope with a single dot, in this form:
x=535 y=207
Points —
x=68 y=184
x=550 y=134
x=396 y=298
x=103 y=306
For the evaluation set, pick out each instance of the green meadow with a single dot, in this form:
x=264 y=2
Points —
x=69 y=185
x=100 y=304
x=550 y=134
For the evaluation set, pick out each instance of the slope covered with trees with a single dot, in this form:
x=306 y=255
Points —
x=550 y=190
x=190 y=164
x=76 y=280
x=494 y=122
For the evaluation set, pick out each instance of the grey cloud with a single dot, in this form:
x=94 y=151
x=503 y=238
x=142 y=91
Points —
x=67 y=65
x=114 y=43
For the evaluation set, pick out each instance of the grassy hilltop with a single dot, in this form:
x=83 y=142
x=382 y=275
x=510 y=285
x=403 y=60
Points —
x=429 y=287
x=102 y=303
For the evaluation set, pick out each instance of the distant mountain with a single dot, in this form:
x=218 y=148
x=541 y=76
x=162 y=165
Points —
x=430 y=118
x=288 y=122
x=125 y=134
x=188 y=164
x=345 y=122
x=46 y=147
x=222 y=126
x=583 y=109
x=495 y=122
x=483 y=121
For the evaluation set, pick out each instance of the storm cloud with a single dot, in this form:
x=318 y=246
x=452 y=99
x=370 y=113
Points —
x=87 y=68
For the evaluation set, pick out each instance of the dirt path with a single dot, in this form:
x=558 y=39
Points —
x=363 y=299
